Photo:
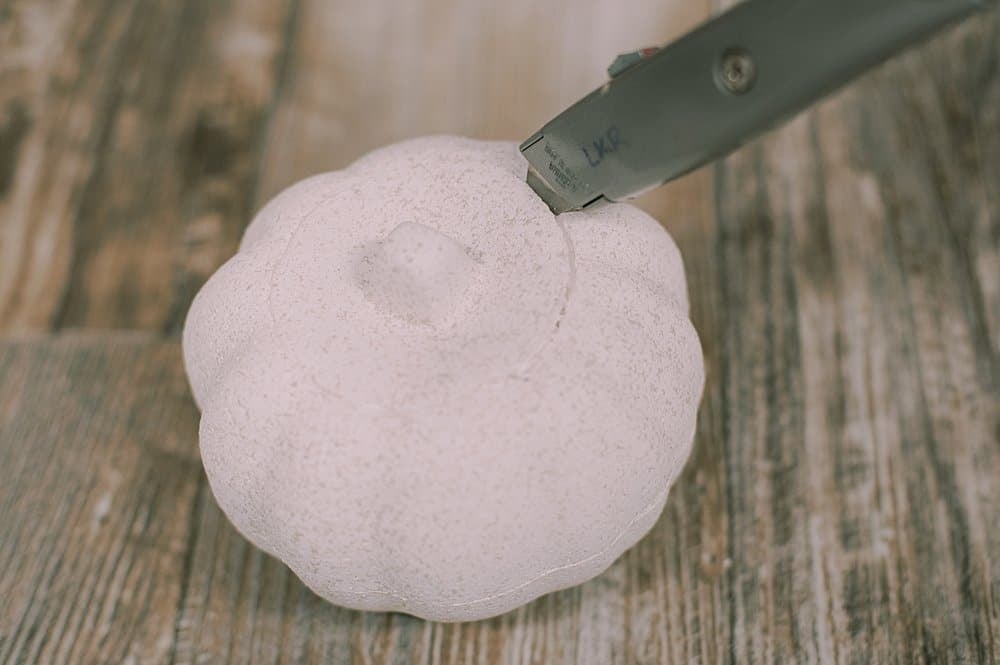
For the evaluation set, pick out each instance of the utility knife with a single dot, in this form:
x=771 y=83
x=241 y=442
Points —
x=667 y=111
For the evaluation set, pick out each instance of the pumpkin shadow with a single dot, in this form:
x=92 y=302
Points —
x=266 y=599
x=558 y=627
x=249 y=592
x=299 y=609
x=268 y=596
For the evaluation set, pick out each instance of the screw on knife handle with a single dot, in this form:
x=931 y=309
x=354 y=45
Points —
x=736 y=71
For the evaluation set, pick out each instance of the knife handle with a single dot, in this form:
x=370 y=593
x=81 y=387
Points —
x=719 y=86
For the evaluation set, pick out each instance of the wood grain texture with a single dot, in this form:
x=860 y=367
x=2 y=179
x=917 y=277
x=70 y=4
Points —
x=133 y=137
x=99 y=484
x=844 y=272
x=138 y=136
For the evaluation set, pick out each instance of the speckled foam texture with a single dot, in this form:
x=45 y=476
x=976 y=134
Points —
x=425 y=393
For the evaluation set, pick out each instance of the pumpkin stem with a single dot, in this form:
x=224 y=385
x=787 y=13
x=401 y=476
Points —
x=417 y=272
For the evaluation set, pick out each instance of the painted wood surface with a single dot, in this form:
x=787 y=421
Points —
x=841 y=503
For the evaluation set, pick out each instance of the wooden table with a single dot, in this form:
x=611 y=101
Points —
x=843 y=501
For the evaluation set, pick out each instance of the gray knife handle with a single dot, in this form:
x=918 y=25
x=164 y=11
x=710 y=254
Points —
x=717 y=87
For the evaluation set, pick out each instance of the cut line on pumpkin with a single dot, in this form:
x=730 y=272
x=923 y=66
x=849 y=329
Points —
x=529 y=362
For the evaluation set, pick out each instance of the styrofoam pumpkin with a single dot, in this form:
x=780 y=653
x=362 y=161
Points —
x=425 y=393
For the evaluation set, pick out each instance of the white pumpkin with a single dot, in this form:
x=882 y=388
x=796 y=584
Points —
x=425 y=393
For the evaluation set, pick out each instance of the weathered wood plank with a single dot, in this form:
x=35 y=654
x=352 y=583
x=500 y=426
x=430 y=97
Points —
x=860 y=395
x=99 y=475
x=132 y=138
